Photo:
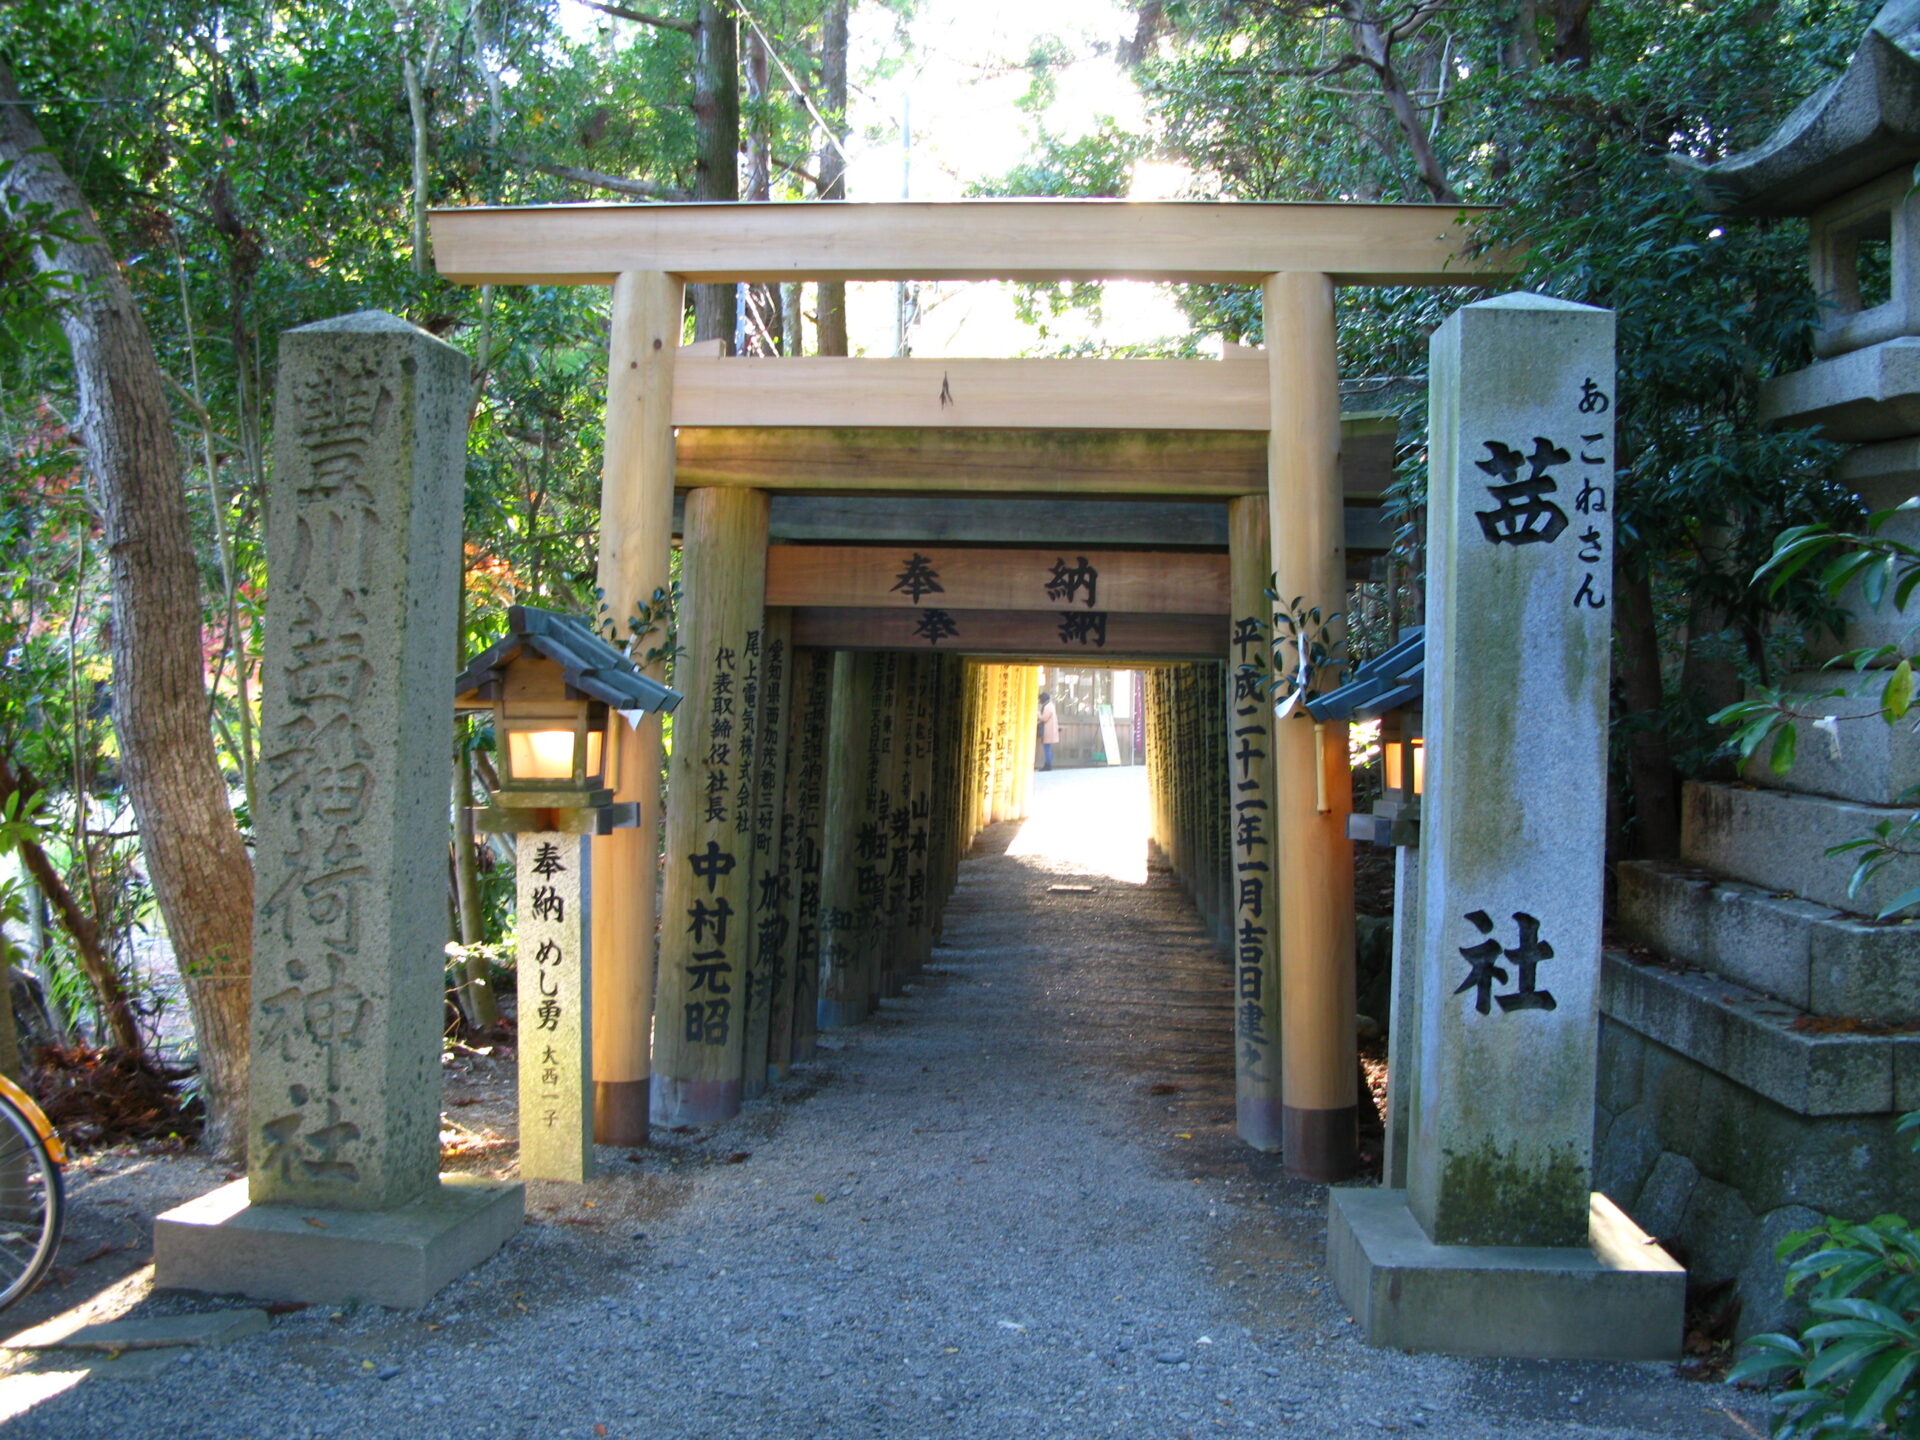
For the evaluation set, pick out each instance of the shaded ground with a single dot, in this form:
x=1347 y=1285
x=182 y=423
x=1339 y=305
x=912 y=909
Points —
x=1010 y=1205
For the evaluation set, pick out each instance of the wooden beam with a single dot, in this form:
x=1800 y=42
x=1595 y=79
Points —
x=907 y=579
x=975 y=394
x=1039 y=240
x=1144 y=524
x=912 y=519
x=1162 y=464
x=1017 y=634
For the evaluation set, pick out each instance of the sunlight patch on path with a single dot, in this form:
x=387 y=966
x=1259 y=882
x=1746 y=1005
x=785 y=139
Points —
x=1092 y=821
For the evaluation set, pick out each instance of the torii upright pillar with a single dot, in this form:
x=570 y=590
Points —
x=636 y=542
x=1313 y=859
x=708 y=892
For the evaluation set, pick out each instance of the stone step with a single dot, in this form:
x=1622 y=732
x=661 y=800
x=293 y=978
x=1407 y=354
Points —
x=1812 y=956
x=1778 y=841
x=1750 y=1039
x=1863 y=758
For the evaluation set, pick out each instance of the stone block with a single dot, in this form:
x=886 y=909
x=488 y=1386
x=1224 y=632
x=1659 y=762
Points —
x=1906 y=1073
x=1662 y=1205
x=1625 y=1155
x=1620 y=1297
x=1885 y=475
x=1814 y=957
x=1868 y=624
x=1621 y=1079
x=1748 y=1038
x=1715 y=1229
x=1726 y=926
x=1761 y=1281
x=1779 y=841
x=1858 y=756
x=1673 y=1092
x=1865 y=969
x=400 y=1257
x=1866 y=395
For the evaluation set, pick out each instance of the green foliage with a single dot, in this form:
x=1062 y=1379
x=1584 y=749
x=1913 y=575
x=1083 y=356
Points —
x=1878 y=569
x=1273 y=101
x=1856 y=1369
x=251 y=167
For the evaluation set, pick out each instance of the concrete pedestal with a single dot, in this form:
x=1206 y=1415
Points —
x=221 y=1244
x=1621 y=1298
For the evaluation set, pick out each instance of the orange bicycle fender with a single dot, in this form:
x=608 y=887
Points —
x=36 y=1117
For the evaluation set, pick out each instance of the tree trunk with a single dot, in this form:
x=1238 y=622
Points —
x=716 y=168
x=830 y=316
x=415 y=78
x=1656 y=790
x=476 y=990
x=201 y=875
x=1370 y=40
x=766 y=331
x=1572 y=32
x=19 y=789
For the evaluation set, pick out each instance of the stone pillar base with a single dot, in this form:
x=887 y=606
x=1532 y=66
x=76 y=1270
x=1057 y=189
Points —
x=222 y=1244
x=1624 y=1298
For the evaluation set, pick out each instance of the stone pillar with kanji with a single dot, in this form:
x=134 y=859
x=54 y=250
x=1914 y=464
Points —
x=1499 y=1245
x=343 y=1198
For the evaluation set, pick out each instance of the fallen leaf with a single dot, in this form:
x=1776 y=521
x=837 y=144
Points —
x=1163 y=1088
x=318 y=1225
x=739 y=1157
x=599 y=1429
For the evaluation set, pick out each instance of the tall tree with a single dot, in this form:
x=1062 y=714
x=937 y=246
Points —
x=832 y=302
x=716 y=166
x=201 y=875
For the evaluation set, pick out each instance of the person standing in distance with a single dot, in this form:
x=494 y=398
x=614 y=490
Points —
x=1049 y=726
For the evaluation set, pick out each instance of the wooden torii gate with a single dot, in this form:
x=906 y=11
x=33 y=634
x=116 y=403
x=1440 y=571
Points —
x=1262 y=424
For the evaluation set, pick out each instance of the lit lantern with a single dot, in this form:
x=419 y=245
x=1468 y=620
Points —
x=558 y=694
x=1389 y=688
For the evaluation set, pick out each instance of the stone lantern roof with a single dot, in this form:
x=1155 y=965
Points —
x=590 y=668
x=1844 y=135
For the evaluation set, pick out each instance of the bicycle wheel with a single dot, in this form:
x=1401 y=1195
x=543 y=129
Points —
x=32 y=1205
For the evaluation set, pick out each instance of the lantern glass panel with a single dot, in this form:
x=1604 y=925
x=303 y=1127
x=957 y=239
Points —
x=547 y=754
x=1419 y=767
x=1393 y=756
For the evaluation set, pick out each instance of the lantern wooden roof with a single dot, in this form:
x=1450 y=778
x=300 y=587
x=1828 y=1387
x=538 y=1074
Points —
x=590 y=668
x=1392 y=680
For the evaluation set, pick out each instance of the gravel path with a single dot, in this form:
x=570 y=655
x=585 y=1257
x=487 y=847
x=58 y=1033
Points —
x=1008 y=1206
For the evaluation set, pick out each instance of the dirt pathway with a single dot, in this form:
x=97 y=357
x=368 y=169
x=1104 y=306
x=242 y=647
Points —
x=1010 y=1205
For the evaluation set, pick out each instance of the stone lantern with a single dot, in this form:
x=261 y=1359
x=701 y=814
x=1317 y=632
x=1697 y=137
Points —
x=1762 y=1000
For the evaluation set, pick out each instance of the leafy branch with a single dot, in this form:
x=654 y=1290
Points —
x=1882 y=568
x=1852 y=1372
